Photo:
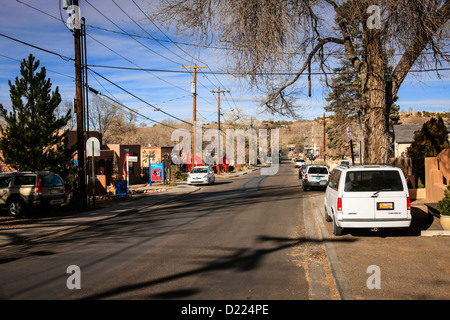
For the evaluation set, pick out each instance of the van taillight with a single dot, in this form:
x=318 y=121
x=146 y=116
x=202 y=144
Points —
x=306 y=176
x=339 y=204
x=39 y=184
x=329 y=177
x=408 y=203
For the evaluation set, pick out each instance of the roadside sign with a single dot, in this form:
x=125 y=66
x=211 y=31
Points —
x=349 y=133
x=95 y=148
x=156 y=172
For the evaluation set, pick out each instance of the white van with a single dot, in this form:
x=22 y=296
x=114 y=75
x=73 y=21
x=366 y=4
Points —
x=367 y=196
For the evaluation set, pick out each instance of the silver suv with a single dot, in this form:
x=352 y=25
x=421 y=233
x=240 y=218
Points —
x=315 y=176
x=20 y=191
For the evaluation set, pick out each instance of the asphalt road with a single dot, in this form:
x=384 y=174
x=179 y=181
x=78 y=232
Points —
x=245 y=238
x=242 y=238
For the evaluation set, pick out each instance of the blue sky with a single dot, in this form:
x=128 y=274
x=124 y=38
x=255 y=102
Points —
x=167 y=91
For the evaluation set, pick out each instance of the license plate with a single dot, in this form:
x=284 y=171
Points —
x=317 y=178
x=53 y=191
x=385 y=206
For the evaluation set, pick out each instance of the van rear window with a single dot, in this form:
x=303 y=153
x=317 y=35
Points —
x=373 y=181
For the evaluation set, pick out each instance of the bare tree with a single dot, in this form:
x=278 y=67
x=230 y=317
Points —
x=102 y=115
x=273 y=43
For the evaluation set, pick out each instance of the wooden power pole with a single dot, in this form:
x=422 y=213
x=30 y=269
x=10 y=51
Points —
x=194 y=116
x=79 y=109
x=218 y=124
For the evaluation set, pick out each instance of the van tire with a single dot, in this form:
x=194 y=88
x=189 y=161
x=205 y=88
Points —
x=327 y=216
x=337 y=231
x=16 y=207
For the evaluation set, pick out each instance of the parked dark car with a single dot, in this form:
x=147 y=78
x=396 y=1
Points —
x=302 y=170
x=20 y=191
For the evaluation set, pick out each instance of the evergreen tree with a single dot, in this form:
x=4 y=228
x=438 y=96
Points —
x=430 y=140
x=31 y=136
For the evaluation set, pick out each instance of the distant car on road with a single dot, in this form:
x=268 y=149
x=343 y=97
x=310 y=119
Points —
x=367 y=196
x=298 y=162
x=302 y=169
x=201 y=175
x=20 y=191
x=315 y=176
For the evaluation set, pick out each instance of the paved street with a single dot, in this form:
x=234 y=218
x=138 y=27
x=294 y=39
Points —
x=244 y=238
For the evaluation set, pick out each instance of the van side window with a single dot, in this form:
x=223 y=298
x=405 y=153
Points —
x=334 y=179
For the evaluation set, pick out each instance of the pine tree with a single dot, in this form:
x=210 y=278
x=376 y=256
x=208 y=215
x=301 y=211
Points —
x=430 y=140
x=31 y=139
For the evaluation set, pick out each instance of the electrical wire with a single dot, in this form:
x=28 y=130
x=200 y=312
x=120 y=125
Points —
x=63 y=57
x=140 y=99
x=92 y=90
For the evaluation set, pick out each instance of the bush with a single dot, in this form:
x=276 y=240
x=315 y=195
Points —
x=444 y=204
x=178 y=175
x=420 y=184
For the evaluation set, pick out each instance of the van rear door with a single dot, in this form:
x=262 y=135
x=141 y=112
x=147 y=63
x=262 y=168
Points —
x=358 y=206
x=390 y=205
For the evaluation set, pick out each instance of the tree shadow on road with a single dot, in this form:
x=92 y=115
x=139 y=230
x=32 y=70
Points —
x=239 y=260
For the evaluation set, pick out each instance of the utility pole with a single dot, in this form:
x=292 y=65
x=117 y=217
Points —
x=219 y=160
x=324 y=139
x=79 y=109
x=194 y=117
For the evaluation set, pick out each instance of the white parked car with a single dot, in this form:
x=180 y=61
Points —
x=367 y=196
x=298 y=162
x=201 y=175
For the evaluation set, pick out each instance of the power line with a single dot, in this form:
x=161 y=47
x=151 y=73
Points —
x=283 y=73
x=138 y=67
x=140 y=99
x=130 y=109
x=65 y=58
x=49 y=70
x=190 y=43
x=129 y=35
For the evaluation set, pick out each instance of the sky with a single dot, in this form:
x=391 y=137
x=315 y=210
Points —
x=41 y=23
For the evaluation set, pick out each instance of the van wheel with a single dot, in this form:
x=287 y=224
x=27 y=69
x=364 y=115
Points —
x=327 y=216
x=337 y=231
x=16 y=207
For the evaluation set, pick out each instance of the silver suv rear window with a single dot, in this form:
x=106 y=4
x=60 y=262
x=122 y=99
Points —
x=315 y=170
x=50 y=180
x=386 y=180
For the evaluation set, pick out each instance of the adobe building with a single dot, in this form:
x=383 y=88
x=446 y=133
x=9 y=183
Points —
x=111 y=164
